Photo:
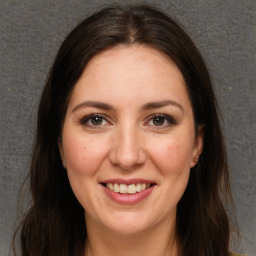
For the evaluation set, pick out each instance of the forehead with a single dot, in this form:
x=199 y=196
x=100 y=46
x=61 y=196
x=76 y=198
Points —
x=128 y=73
x=129 y=59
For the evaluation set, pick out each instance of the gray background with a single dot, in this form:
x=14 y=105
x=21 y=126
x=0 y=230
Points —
x=31 y=32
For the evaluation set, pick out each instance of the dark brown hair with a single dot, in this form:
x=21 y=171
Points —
x=55 y=225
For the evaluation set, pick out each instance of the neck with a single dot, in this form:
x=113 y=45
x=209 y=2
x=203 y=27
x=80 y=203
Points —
x=156 y=241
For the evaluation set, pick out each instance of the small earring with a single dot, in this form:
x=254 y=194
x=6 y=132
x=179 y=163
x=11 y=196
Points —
x=195 y=160
x=63 y=162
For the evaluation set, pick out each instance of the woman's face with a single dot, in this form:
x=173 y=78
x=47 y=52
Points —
x=128 y=140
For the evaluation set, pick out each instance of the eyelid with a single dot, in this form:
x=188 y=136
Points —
x=88 y=117
x=171 y=120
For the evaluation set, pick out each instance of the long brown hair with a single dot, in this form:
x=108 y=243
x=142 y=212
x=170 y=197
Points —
x=55 y=225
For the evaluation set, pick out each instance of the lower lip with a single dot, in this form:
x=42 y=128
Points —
x=128 y=198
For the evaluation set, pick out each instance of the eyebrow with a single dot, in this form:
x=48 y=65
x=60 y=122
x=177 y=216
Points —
x=161 y=104
x=147 y=106
x=94 y=104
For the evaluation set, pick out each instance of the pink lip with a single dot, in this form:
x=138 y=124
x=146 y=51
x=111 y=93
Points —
x=128 y=198
x=128 y=182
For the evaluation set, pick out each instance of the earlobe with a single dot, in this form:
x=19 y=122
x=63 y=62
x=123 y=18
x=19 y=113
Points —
x=198 y=146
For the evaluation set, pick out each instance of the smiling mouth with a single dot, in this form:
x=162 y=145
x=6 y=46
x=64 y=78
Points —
x=127 y=189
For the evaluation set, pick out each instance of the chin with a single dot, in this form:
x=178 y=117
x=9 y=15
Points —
x=130 y=223
x=129 y=229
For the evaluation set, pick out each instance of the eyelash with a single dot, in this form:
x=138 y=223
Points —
x=86 y=119
x=169 y=119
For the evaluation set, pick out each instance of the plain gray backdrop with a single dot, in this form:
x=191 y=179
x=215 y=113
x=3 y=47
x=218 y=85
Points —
x=32 y=31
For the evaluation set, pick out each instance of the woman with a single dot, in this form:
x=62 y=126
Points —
x=129 y=157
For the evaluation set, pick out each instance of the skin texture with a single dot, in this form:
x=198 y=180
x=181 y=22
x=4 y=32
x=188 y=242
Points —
x=127 y=143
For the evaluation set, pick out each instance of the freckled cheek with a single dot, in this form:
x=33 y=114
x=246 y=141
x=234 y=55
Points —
x=84 y=157
x=171 y=156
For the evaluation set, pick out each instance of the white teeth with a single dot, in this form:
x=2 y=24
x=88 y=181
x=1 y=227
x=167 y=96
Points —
x=110 y=186
x=116 y=188
x=143 y=186
x=123 y=189
x=138 y=187
x=130 y=189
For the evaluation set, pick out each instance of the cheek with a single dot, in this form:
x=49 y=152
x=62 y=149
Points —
x=83 y=156
x=172 y=156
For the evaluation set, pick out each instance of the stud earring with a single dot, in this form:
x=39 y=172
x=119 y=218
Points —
x=195 y=160
x=63 y=162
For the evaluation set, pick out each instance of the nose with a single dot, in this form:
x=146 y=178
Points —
x=127 y=150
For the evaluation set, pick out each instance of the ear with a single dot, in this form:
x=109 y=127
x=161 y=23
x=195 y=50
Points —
x=198 y=145
x=61 y=152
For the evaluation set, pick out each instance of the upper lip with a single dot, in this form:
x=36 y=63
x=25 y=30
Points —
x=128 y=182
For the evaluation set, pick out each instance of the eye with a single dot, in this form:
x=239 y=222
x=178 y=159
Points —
x=95 y=120
x=161 y=120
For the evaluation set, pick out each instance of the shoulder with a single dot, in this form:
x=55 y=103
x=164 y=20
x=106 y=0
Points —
x=235 y=254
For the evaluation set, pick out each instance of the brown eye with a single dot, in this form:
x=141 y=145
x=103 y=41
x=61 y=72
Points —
x=96 y=120
x=158 y=121
x=161 y=121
